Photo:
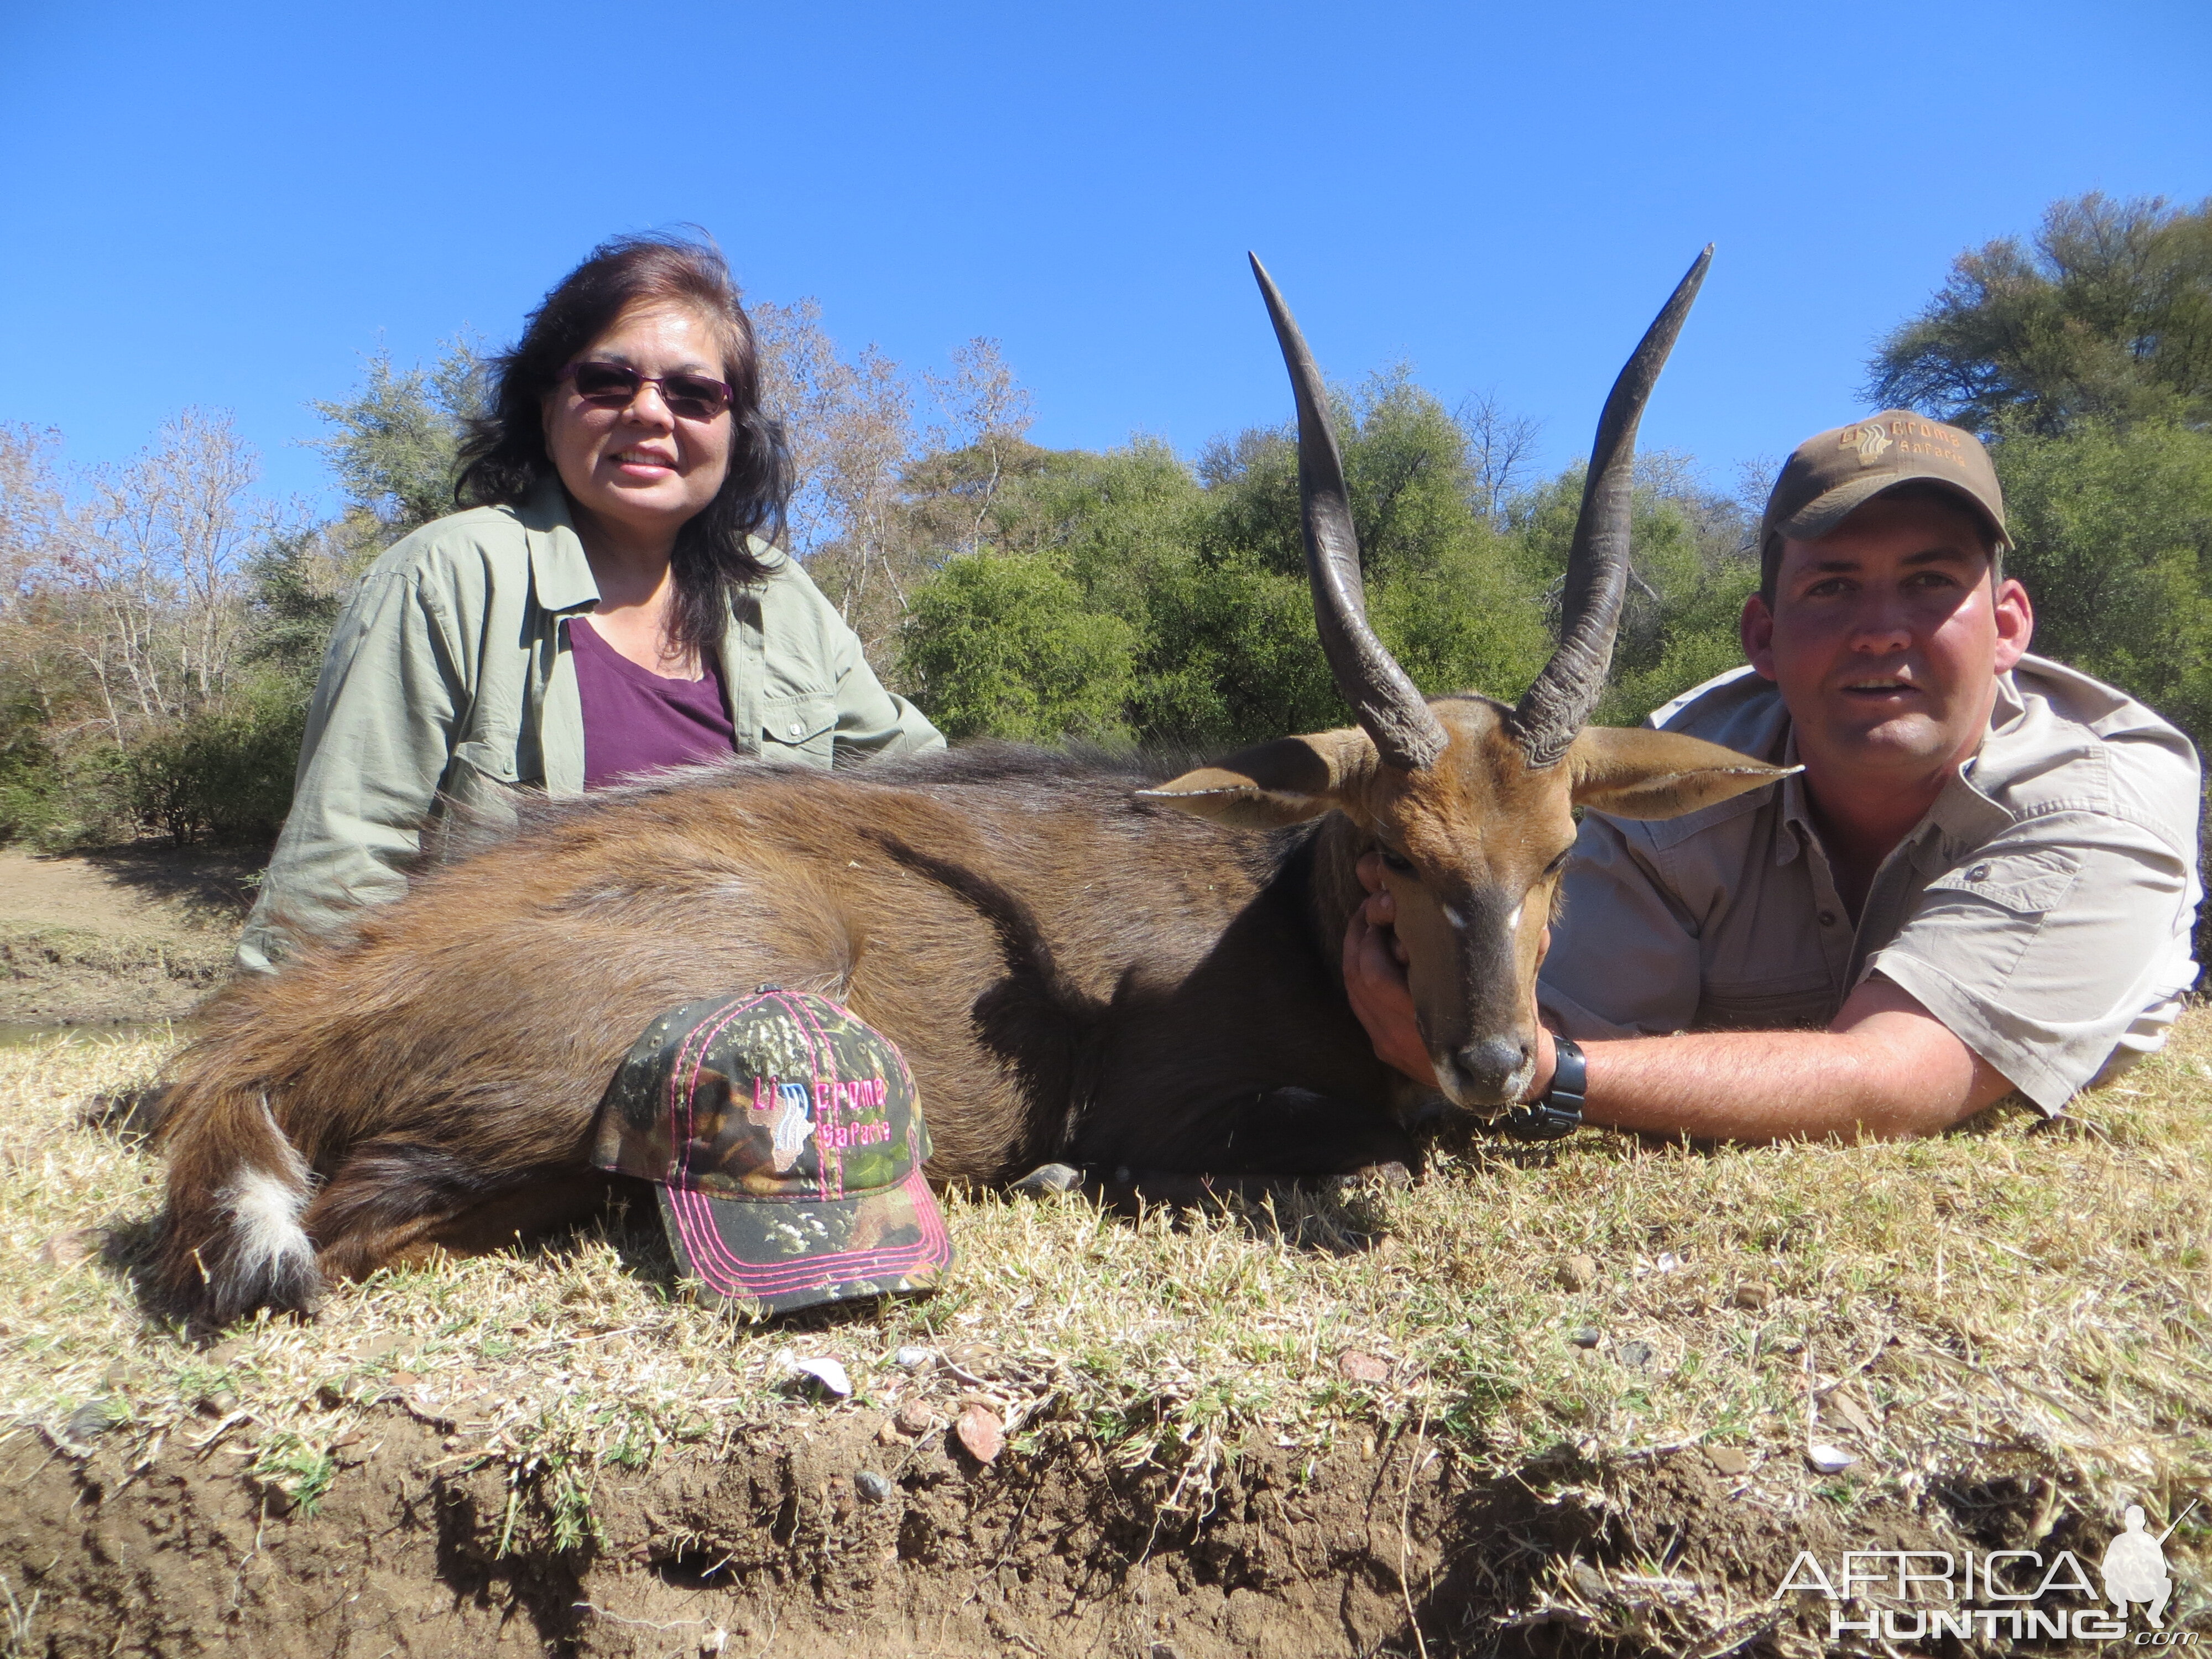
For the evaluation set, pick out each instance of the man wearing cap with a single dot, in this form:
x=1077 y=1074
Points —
x=1983 y=880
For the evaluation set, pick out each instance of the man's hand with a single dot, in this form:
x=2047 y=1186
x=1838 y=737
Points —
x=1375 y=982
x=1375 y=979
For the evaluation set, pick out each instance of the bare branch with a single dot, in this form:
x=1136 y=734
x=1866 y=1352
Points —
x=1501 y=450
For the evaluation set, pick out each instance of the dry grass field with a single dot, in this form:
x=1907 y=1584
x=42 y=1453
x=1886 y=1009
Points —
x=1589 y=1398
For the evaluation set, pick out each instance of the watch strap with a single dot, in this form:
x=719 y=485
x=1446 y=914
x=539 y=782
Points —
x=1558 y=1111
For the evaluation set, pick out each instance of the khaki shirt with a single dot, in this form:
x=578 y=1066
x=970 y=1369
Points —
x=2041 y=911
x=449 y=684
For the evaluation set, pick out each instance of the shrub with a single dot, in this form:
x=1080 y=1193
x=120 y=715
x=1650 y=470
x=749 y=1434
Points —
x=1002 y=645
x=223 y=772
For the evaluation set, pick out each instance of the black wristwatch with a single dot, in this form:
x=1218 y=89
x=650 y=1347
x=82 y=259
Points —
x=1558 y=1110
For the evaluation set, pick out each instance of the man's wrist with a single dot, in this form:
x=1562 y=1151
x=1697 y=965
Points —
x=1558 y=1110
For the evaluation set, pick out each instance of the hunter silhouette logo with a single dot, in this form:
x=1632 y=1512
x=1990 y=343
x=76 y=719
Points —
x=1870 y=440
x=2134 y=1567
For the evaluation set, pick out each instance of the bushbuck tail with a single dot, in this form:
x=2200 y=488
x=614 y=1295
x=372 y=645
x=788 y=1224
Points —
x=1084 y=960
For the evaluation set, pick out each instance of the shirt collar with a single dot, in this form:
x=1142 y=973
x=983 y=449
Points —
x=559 y=575
x=1963 y=814
x=1796 y=811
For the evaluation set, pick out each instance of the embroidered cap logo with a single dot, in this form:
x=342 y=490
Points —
x=1870 y=440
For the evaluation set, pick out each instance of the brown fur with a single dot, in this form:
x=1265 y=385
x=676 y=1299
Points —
x=1074 y=971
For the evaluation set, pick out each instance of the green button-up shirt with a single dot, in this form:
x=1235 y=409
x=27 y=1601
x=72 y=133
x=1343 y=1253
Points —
x=449 y=684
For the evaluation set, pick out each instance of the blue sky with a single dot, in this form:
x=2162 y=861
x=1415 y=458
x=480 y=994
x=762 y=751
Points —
x=227 y=205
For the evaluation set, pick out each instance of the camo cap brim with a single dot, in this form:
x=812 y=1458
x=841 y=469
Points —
x=786 y=1139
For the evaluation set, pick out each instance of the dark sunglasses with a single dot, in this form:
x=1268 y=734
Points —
x=615 y=385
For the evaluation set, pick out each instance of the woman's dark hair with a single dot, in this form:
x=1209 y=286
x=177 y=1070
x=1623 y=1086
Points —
x=503 y=459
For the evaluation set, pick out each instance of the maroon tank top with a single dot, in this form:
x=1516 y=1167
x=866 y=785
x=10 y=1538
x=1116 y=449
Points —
x=635 y=720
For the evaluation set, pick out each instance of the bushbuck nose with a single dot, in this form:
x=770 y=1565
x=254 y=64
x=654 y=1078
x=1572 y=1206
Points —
x=1486 y=1070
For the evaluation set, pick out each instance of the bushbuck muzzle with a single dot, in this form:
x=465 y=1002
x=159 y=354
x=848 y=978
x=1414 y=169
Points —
x=1083 y=960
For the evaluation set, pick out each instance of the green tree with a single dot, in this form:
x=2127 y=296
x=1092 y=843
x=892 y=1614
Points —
x=2105 y=314
x=1003 y=645
x=394 y=442
x=2114 y=532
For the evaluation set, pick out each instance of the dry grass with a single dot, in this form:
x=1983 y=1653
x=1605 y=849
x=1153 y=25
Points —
x=2005 y=1298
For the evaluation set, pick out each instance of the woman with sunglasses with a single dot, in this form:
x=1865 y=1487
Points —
x=607 y=605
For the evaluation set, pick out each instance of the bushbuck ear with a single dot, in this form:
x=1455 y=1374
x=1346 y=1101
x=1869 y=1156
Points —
x=1633 y=773
x=1272 y=784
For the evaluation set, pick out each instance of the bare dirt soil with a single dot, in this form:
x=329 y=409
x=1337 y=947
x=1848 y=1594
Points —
x=421 y=1546
x=125 y=935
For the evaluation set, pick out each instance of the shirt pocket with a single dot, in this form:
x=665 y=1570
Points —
x=1778 y=1002
x=477 y=795
x=2028 y=884
x=479 y=758
x=800 y=727
x=1989 y=910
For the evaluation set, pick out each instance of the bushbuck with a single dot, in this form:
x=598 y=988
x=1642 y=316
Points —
x=1084 y=960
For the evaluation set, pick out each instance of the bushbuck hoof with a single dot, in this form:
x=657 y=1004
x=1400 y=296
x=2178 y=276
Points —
x=1047 y=1180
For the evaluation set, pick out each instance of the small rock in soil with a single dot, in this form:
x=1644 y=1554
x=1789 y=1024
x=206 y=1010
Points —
x=1577 y=1272
x=828 y=1373
x=1853 y=1413
x=1634 y=1351
x=1362 y=1367
x=1754 y=1297
x=66 y=1249
x=94 y=1418
x=981 y=1432
x=913 y=1359
x=1162 y=1650
x=914 y=1417
x=1829 y=1460
x=1586 y=1336
x=219 y=1403
x=1726 y=1459
x=871 y=1488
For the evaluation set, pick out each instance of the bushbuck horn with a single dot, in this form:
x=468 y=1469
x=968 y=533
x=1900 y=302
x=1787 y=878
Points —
x=1553 y=708
x=1387 y=704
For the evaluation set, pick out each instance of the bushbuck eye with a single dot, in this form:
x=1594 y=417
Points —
x=1558 y=863
x=1397 y=861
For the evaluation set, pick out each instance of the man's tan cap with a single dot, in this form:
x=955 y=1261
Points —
x=1842 y=468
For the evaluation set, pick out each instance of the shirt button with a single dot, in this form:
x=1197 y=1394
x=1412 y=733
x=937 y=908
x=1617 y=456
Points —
x=1979 y=872
x=1827 y=918
x=796 y=728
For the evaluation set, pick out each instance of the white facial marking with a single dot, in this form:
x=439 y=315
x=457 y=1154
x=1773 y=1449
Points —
x=1513 y=921
x=1453 y=917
